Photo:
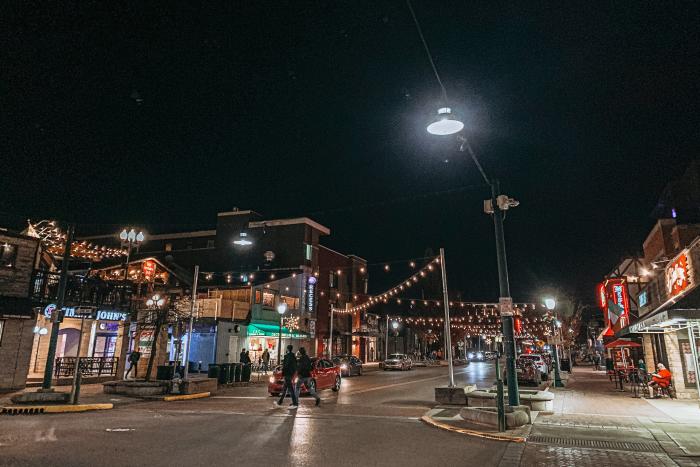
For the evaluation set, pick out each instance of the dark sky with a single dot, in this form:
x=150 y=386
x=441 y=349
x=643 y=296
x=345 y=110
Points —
x=319 y=108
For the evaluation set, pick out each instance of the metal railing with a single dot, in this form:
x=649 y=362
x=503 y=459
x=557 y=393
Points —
x=89 y=366
x=81 y=290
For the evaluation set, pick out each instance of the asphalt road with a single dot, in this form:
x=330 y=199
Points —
x=373 y=420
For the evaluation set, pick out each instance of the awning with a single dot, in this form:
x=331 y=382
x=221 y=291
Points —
x=661 y=322
x=622 y=343
x=272 y=330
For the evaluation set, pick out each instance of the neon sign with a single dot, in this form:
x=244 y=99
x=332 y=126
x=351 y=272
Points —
x=678 y=275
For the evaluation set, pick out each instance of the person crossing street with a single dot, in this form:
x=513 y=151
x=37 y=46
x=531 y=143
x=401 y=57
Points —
x=289 y=369
x=304 y=372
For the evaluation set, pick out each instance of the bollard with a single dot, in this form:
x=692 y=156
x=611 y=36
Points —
x=76 y=394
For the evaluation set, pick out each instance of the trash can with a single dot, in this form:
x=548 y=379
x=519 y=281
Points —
x=565 y=365
x=214 y=370
x=165 y=372
x=225 y=373
x=245 y=373
x=193 y=367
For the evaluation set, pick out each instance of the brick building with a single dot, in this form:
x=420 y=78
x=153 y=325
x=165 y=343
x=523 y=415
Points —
x=18 y=255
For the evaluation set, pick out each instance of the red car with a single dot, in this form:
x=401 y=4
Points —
x=324 y=375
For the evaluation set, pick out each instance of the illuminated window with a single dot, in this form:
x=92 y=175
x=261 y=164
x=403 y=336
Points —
x=168 y=247
x=308 y=252
x=8 y=255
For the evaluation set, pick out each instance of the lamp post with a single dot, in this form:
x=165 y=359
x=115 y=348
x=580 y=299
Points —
x=155 y=303
x=40 y=331
x=281 y=309
x=551 y=304
x=386 y=340
x=447 y=123
x=130 y=238
x=395 y=327
x=330 y=337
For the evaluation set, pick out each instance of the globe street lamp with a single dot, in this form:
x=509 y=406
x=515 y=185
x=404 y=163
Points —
x=395 y=327
x=155 y=303
x=281 y=309
x=551 y=304
x=130 y=238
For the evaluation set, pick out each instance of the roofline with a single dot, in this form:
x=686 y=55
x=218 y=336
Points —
x=236 y=213
x=297 y=220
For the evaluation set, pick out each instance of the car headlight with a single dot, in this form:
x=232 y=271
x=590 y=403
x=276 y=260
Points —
x=479 y=355
x=272 y=379
x=471 y=355
x=343 y=366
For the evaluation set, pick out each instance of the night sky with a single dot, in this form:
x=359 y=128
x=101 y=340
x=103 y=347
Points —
x=124 y=113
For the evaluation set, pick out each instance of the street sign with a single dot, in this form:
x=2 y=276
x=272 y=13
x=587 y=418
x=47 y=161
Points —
x=505 y=305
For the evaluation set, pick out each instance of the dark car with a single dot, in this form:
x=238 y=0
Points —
x=324 y=375
x=349 y=365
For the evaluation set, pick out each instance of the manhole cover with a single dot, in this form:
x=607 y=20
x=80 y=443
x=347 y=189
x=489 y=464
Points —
x=596 y=444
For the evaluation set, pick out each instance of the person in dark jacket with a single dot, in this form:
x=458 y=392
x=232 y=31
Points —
x=243 y=357
x=289 y=369
x=304 y=373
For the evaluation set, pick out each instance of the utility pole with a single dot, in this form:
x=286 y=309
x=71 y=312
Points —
x=448 y=336
x=56 y=317
x=505 y=301
x=189 y=330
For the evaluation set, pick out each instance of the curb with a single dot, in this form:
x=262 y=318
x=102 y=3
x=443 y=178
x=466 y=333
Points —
x=40 y=409
x=185 y=397
x=479 y=434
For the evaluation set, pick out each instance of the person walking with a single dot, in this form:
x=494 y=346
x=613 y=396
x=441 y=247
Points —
x=134 y=358
x=304 y=376
x=242 y=356
x=289 y=368
x=265 y=360
x=596 y=360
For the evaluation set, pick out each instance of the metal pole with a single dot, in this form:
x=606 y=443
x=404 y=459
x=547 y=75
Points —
x=386 y=341
x=694 y=352
x=505 y=301
x=448 y=337
x=279 y=344
x=330 y=340
x=74 y=386
x=189 y=330
x=55 y=317
x=557 y=376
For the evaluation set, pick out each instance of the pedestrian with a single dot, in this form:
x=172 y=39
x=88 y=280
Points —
x=248 y=361
x=304 y=376
x=134 y=358
x=660 y=379
x=289 y=369
x=265 y=360
x=241 y=357
x=596 y=360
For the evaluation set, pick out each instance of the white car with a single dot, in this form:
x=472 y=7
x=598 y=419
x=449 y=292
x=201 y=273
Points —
x=538 y=361
x=398 y=361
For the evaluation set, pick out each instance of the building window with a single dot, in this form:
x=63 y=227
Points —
x=332 y=280
x=268 y=299
x=292 y=302
x=210 y=243
x=308 y=252
x=168 y=247
x=8 y=255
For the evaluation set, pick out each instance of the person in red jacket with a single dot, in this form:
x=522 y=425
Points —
x=660 y=379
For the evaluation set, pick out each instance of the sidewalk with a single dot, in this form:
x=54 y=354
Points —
x=593 y=424
x=89 y=394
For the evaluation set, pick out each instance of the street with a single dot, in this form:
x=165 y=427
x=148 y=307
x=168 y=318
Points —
x=374 y=420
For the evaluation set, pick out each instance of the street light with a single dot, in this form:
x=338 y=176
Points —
x=395 y=327
x=281 y=309
x=130 y=238
x=40 y=331
x=242 y=239
x=551 y=304
x=445 y=123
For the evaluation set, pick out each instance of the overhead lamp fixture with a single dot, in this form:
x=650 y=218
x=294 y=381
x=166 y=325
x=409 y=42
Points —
x=242 y=239
x=445 y=123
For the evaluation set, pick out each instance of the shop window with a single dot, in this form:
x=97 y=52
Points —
x=258 y=296
x=8 y=255
x=268 y=299
x=292 y=302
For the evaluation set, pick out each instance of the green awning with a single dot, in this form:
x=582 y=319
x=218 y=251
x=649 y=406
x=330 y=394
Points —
x=272 y=330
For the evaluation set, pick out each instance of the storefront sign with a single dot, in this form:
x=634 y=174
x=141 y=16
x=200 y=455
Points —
x=148 y=268
x=312 y=328
x=111 y=315
x=602 y=299
x=618 y=304
x=69 y=312
x=311 y=294
x=678 y=275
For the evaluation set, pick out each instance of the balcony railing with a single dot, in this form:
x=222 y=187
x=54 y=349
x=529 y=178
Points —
x=81 y=290
x=89 y=366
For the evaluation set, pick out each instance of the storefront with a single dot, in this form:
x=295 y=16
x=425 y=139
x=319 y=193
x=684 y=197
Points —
x=263 y=336
x=670 y=330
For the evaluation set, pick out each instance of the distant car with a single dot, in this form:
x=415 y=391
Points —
x=349 y=365
x=398 y=361
x=539 y=362
x=324 y=375
x=489 y=355
x=476 y=356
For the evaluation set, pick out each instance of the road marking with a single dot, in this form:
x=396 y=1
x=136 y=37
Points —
x=49 y=436
x=120 y=429
x=361 y=391
x=240 y=397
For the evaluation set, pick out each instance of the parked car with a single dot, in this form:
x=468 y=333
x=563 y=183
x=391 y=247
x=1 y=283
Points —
x=490 y=355
x=324 y=375
x=398 y=361
x=475 y=356
x=539 y=362
x=349 y=365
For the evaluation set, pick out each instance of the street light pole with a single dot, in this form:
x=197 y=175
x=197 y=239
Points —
x=448 y=336
x=55 y=317
x=281 y=310
x=386 y=341
x=189 y=330
x=330 y=338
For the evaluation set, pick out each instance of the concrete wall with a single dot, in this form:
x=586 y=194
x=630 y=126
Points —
x=15 y=353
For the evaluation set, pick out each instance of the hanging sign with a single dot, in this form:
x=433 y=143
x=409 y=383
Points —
x=145 y=341
x=310 y=302
x=679 y=275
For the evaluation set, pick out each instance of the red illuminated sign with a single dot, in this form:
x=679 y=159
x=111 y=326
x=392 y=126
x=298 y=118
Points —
x=678 y=275
x=149 y=270
x=602 y=300
x=613 y=299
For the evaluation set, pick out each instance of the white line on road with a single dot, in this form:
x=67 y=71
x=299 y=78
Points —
x=386 y=386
